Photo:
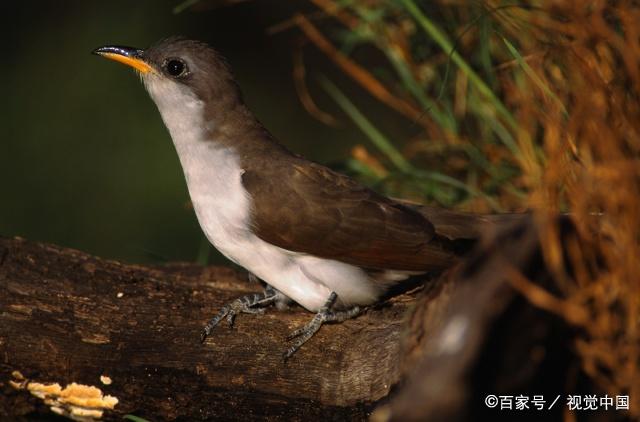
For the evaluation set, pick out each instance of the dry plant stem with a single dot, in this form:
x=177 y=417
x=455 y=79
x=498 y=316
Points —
x=395 y=41
x=545 y=300
x=331 y=8
x=593 y=68
x=357 y=73
x=299 y=80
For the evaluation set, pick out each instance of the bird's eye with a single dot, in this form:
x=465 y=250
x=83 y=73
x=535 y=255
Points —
x=176 y=67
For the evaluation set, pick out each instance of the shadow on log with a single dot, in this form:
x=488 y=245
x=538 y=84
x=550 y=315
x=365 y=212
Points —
x=433 y=354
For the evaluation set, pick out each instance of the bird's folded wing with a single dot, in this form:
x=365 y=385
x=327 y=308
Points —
x=311 y=209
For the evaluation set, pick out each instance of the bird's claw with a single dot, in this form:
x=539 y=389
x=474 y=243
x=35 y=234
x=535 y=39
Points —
x=325 y=314
x=244 y=304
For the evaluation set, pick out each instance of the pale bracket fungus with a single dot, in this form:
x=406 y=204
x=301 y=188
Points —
x=79 y=402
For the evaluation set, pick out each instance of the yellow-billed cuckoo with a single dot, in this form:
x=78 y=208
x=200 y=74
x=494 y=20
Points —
x=312 y=235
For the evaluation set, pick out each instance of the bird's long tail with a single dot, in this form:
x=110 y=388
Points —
x=456 y=225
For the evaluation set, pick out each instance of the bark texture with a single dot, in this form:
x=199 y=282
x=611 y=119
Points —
x=70 y=317
x=433 y=353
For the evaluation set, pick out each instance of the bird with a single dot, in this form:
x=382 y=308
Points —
x=314 y=236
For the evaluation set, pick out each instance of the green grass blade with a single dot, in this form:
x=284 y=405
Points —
x=443 y=178
x=443 y=119
x=376 y=137
x=362 y=169
x=533 y=75
x=387 y=148
x=441 y=39
x=134 y=418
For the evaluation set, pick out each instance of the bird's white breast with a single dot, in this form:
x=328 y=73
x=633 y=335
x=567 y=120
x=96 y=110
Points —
x=223 y=207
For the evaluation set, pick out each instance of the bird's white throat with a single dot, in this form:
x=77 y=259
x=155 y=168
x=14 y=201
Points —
x=214 y=178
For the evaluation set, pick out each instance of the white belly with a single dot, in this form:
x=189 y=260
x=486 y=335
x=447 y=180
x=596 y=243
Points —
x=223 y=209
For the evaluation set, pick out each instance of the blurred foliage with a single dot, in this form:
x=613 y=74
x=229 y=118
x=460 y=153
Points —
x=531 y=105
x=468 y=152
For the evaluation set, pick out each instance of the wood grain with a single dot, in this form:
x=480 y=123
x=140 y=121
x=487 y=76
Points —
x=70 y=317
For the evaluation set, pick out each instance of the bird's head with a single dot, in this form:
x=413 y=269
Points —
x=179 y=72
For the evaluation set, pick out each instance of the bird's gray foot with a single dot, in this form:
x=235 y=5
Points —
x=249 y=304
x=325 y=314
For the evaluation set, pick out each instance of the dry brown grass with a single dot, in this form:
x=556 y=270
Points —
x=592 y=63
x=574 y=94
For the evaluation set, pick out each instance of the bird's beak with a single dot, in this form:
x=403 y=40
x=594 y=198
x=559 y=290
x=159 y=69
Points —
x=127 y=55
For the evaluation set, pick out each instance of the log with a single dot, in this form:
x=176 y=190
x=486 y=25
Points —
x=70 y=317
x=131 y=333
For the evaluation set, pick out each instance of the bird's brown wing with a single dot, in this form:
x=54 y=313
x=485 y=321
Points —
x=314 y=210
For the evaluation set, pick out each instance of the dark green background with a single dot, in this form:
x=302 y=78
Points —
x=85 y=160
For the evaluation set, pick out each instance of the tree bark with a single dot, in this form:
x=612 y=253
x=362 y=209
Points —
x=433 y=353
x=69 y=317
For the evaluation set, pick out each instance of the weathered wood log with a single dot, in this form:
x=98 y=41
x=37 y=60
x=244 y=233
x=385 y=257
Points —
x=431 y=354
x=66 y=316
